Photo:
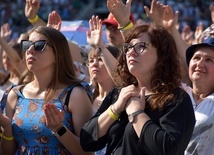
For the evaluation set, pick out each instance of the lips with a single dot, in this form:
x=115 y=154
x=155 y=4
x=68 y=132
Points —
x=30 y=59
x=130 y=61
x=199 y=71
x=94 y=71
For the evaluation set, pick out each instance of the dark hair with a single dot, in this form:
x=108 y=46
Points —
x=64 y=68
x=166 y=74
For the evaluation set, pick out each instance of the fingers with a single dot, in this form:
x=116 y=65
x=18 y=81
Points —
x=94 y=23
x=54 y=117
x=142 y=94
x=147 y=11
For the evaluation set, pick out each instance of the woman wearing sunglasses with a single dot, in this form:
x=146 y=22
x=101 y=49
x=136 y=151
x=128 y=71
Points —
x=152 y=114
x=45 y=116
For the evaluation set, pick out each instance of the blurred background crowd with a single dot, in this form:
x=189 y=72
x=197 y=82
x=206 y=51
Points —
x=191 y=12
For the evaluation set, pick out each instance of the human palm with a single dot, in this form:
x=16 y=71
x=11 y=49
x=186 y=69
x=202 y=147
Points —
x=94 y=36
x=5 y=31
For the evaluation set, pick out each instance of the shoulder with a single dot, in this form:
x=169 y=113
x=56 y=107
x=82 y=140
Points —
x=79 y=100
x=81 y=90
x=181 y=100
x=14 y=90
x=86 y=87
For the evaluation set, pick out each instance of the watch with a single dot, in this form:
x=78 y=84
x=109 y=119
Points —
x=132 y=115
x=61 y=131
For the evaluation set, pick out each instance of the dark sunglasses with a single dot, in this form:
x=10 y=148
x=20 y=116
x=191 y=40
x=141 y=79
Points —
x=38 y=45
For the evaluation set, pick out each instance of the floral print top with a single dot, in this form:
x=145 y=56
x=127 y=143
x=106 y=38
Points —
x=31 y=133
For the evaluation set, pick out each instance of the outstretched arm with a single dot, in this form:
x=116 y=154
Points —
x=31 y=10
x=11 y=53
x=122 y=14
x=94 y=38
x=212 y=12
x=55 y=21
x=163 y=15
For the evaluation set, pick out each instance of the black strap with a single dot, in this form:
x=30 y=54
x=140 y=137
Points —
x=68 y=97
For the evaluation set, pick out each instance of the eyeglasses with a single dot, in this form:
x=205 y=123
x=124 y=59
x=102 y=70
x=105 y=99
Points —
x=38 y=45
x=138 y=47
x=91 y=61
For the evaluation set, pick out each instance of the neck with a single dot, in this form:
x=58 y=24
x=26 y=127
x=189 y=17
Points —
x=105 y=88
x=146 y=85
x=201 y=90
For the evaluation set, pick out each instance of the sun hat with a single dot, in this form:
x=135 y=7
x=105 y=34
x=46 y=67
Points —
x=112 y=21
x=208 y=42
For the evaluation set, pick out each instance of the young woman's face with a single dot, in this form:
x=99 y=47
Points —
x=7 y=64
x=42 y=58
x=97 y=69
x=201 y=67
x=141 y=56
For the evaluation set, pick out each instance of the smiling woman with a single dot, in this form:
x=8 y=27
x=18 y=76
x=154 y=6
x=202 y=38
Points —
x=200 y=59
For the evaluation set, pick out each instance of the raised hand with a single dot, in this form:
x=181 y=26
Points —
x=170 y=19
x=31 y=8
x=198 y=33
x=94 y=35
x=54 y=20
x=212 y=12
x=156 y=12
x=187 y=34
x=120 y=11
x=5 y=31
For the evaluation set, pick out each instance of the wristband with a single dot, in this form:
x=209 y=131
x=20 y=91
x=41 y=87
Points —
x=7 y=138
x=111 y=114
x=128 y=26
x=114 y=110
x=35 y=19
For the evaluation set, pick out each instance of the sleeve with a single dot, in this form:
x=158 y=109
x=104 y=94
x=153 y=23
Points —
x=174 y=130
x=88 y=136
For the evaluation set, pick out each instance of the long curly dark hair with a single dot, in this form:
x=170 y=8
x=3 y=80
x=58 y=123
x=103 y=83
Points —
x=166 y=75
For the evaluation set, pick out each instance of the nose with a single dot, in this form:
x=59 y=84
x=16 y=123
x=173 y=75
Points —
x=31 y=49
x=95 y=63
x=131 y=51
x=110 y=33
x=201 y=62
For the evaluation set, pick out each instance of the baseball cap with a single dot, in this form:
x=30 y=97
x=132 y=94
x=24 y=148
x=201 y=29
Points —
x=112 y=21
x=208 y=42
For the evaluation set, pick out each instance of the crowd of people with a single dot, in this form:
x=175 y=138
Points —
x=149 y=90
x=191 y=12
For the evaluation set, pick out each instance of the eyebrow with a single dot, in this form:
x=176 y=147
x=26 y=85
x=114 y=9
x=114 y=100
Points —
x=207 y=56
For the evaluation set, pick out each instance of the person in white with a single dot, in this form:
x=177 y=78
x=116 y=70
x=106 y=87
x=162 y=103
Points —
x=200 y=59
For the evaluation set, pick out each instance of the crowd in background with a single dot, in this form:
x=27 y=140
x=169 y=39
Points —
x=190 y=12
x=157 y=94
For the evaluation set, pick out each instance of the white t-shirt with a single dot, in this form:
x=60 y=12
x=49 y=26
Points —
x=202 y=140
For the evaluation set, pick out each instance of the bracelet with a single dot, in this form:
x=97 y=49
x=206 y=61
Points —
x=128 y=26
x=35 y=19
x=99 y=48
x=111 y=114
x=7 y=138
x=114 y=110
